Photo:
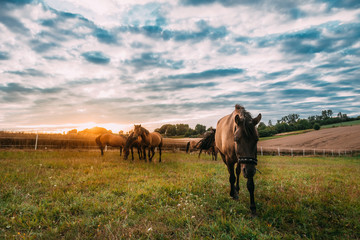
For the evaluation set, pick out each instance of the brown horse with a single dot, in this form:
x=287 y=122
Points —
x=236 y=139
x=112 y=140
x=191 y=146
x=150 y=140
x=132 y=142
x=207 y=143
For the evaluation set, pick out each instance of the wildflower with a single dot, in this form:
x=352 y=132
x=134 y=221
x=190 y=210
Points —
x=192 y=216
x=149 y=229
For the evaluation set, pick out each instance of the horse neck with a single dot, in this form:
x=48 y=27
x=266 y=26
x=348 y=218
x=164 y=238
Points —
x=145 y=136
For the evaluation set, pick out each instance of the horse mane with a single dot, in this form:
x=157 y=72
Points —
x=248 y=126
x=129 y=140
x=145 y=130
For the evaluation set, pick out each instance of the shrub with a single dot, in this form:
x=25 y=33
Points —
x=316 y=126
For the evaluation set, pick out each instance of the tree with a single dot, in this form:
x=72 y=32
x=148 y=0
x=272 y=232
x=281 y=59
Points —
x=163 y=128
x=261 y=125
x=73 y=131
x=171 y=130
x=200 y=129
x=181 y=128
x=291 y=118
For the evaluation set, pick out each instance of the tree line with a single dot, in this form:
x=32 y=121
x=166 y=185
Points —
x=171 y=130
x=289 y=123
x=293 y=122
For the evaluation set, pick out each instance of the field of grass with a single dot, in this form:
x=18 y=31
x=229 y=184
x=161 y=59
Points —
x=80 y=195
x=342 y=124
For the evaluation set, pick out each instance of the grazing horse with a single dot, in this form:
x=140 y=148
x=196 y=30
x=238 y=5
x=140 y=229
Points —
x=110 y=140
x=132 y=142
x=207 y=143
x=150 y=140
x=191 y=146
x=236 y=139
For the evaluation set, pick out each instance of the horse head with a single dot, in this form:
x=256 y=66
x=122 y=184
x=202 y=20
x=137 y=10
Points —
x=246 y=138
x=139 y=131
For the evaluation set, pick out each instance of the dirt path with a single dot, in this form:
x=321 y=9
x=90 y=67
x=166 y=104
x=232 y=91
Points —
x=331 y=138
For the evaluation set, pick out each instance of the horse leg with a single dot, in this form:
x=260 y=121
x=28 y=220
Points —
x=233 y=193
x=160 y=153
x=149 y=150
x=238 y=171
x=102 y=150
x=132 y=153
x=251 y=188
x=152 y=153
x=141 y=156
x=139 y=153
x=249 y=172
x=120 y=150
x=144 y=153
x=200 y=152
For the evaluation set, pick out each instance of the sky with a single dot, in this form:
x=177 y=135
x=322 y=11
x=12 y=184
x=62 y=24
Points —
x=68 y=64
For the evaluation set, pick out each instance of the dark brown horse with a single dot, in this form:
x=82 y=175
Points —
x=207 y=143
x=192 y=146
x=236 y=139
x=132 y=142
x=150 y=140
x=112 y=140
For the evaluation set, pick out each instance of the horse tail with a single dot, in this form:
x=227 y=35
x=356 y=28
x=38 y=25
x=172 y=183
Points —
x=187 y=147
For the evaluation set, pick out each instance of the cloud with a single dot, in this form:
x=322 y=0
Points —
x=208 y=74
x=105 y=36
x=4 y=55
x=150 y=59
x=29 y=72
x=157 y=60
x=96 y=57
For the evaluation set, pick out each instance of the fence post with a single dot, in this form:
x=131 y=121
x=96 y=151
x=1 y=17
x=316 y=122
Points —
x=36 y=141
x=292 y=153
x=304 y=152
x=314 y=152
x=279 y=151
x=324 y=152
x=339 y=153
x=261 y=151
x=332 y=152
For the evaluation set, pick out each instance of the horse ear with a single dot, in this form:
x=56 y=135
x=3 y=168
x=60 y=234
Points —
x=257 y=119
x=239 y=120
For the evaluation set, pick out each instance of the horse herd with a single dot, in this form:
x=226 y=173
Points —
x=140 y=138
x=235 y=139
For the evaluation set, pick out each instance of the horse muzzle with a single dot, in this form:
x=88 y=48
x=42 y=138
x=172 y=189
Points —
x=247 y=160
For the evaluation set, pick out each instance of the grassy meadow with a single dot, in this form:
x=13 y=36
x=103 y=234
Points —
x=81 y=195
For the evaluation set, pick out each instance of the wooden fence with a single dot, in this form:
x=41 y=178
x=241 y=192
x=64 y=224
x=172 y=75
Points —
x=49 y=142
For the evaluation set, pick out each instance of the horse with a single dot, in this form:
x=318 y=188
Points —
x=150 y=140
x=133 y=142
x=191 y=146
x=236 y=139
x=207 y=143
x=112 y=140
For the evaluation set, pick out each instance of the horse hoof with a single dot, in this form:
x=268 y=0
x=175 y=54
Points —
x=235 y=196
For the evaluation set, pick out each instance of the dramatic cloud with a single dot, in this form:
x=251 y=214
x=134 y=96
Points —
x=68 y=63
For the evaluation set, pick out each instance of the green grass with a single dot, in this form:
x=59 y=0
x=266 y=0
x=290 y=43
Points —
x=286 y=134
x=80 y=195
x=342 y=124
